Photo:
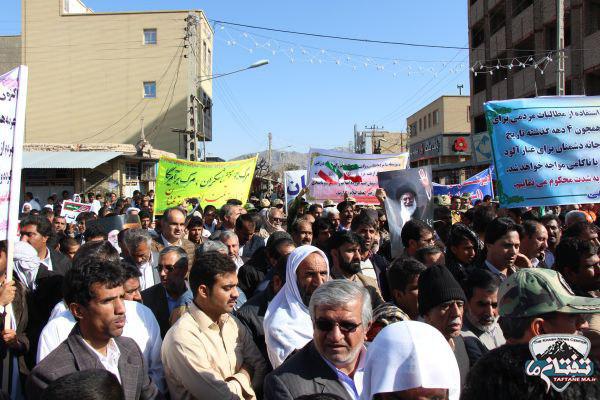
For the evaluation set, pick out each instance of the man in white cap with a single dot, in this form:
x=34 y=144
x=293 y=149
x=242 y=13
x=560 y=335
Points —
x=287 y=324
x=410 y=360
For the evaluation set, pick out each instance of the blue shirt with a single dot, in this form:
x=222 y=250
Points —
x=354 y=385
x=186 y=298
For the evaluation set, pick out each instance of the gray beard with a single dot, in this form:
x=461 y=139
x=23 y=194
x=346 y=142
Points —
x=407 y=212
x=485 y=328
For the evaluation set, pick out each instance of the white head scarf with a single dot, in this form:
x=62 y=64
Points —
x=407 y=355
x=287 y=322
x=27 y=264
x=28 y=205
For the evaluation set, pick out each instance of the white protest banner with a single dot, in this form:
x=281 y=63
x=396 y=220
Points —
x=294 y=182
x=332 y=173
x=13 y=96
x=71 y=209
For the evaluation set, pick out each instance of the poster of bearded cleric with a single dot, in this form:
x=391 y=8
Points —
x=409 y=195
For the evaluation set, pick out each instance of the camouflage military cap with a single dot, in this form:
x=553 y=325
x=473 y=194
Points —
x=536 y=291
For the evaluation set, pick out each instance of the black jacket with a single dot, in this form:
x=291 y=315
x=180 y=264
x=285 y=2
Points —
x=251 y=274
x=252 y=314
x=302 y=374
x=40 y=302
x=155 y=298
x=60 y=263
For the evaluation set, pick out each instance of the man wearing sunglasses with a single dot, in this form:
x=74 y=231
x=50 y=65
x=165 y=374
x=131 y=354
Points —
x=172 y=290
x=332 y=362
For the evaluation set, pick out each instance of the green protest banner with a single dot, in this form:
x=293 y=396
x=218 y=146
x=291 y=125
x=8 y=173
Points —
x=210 y=182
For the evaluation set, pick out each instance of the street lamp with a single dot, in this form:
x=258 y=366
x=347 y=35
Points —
x=256 y=64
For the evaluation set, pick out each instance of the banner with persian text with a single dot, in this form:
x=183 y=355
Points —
x=294 y=182
x=332 y=173
x=71 y=209
x=546 y=150
x=477 y=186
x=13 y=94
x=210 y=182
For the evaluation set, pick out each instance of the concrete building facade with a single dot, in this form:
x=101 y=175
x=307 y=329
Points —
x=500 y=30
x=102 y=77
x=439 y=135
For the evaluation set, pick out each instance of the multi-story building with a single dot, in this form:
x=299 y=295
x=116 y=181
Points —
x=439 y=135
x=502 y=30
x=106 y=78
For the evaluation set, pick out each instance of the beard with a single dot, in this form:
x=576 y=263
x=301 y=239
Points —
x=352 y=267
x=485 y=324
x=407 y=212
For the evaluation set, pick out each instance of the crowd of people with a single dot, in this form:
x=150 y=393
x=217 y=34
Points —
x=260 y=300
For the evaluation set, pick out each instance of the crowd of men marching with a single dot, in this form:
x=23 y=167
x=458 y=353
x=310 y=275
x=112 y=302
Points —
x=253 y=301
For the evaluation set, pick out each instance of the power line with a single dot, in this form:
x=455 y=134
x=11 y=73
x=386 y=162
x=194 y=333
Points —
x=352 y=39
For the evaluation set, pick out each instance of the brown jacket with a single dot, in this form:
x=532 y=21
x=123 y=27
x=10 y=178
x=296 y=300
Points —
x=188 y=246
x=19 y=306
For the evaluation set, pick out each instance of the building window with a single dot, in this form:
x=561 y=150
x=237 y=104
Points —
x=413 y=129
x=132 y=172
x=209 y=61
x=429 y=120
x=593 y=16
x=150 y=90
x=420 y=124
x=519 y=6
x=436 y=117
x=150 y=36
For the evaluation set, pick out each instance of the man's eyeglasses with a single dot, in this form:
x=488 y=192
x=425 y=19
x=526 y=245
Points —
x=168 y=268
x=327 y=325
x=277 y=219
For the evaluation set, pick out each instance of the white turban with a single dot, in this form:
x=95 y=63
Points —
x=27 y=264
x=287 y=323
x=407 y=355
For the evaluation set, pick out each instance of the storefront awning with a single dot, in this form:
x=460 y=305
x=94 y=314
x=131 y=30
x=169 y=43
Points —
x=67 y=159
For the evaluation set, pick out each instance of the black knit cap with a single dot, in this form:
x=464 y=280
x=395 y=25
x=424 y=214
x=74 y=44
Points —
x=437 y=286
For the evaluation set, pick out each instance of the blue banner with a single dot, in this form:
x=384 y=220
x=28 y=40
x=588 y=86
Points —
x=546 y=150
x=478 y=186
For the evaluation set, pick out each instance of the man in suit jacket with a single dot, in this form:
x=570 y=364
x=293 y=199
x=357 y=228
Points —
x=137 y=251
x=333 y=361
x=172 y=291
x=172 y=225
x=94 y=294
x=36 y=230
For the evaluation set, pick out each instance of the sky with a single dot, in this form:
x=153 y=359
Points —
x=314 y=90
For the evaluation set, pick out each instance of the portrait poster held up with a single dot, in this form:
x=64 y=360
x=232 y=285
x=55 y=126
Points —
x=211 y=182
x=332 y=174
x=294 y=182
x=546 y=150
x=409 y=196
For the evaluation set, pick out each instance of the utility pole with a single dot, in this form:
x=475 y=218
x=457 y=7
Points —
x=270 y=160
x=560 y=47
x=191 y=136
